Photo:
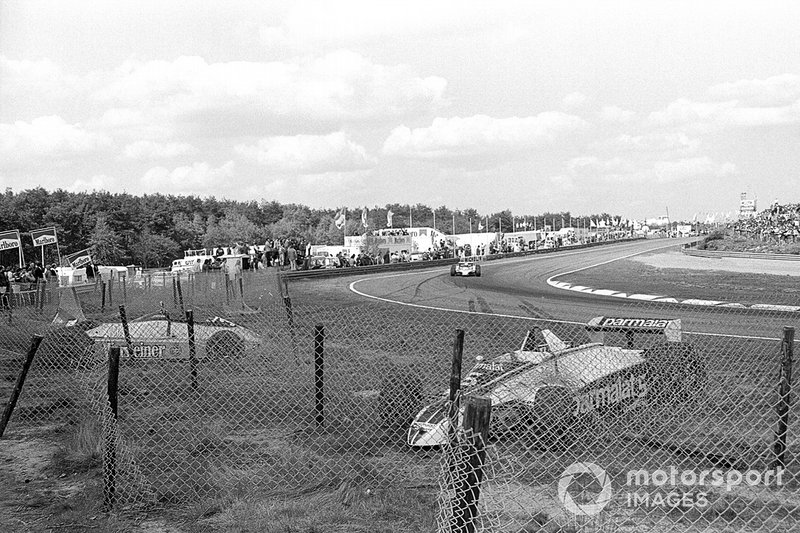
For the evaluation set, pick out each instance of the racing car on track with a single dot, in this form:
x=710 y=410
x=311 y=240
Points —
x=157 y=337
x=547 y=386
x=465 y=268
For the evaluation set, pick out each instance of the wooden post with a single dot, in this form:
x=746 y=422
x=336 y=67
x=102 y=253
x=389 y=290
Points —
x=111 y=290
x=784 y=394
x=39 y=297
x=174 y=293
x=455 y=383
x=36 y=340
x=477 y=418
x=126 y=330
x=103 y=296
x=180 y=291
x=110 y=457
x=319 y=374
x=192 y=347
x=125 y=289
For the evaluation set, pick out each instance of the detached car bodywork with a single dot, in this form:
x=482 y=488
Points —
x=155 y=337
x=466 y=268
x=547 y=386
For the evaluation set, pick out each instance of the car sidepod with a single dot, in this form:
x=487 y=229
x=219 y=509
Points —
x=430 y=427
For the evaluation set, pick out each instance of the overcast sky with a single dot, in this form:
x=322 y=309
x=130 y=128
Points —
x=631 y=108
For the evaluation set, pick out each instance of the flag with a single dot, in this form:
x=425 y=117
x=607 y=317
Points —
x=340 y=219
x=364 y=218
x=42 y=237
x=694 y=218
x=592 y=224
x=9 y=240
x=480 y=226
x=389 y=216
x=79 y=259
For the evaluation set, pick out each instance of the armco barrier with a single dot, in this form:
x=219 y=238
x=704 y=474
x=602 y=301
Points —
x=419 y=265
x=739 y=255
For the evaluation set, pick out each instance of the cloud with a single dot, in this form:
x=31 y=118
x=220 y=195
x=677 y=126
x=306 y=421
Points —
x=195 y=179
x=695 y=167
x=616 y=114
x=574 y=101
x=652 y=142
x=48 y=137
x=308 y=154
x=749 y=103
x=683 y=112
x=315 y=24
x=589 y=170
x=480 y=134
x=227 y=97
x=593 y=167
x=100 y=182
x=27 y=83
x=154 y=150
x=774 y=91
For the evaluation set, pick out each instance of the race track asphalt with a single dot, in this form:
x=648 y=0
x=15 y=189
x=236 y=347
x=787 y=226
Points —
x=518 y=287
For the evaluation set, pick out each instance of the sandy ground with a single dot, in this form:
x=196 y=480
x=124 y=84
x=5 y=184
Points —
x=676 y=259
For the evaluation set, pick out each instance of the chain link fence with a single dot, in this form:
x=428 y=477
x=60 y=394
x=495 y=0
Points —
x=235 y=391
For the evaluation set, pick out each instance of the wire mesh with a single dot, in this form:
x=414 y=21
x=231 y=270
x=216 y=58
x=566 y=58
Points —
x=270 y=391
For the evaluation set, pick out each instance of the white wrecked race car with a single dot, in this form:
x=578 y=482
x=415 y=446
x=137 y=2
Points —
x=466 y=268
x=546 y=386
x=157 y=337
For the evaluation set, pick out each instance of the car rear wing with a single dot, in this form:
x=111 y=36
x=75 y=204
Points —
x=600 y=325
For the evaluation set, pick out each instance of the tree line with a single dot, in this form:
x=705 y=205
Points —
x=153 y=229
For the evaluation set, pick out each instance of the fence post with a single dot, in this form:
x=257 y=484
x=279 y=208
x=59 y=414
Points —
x=125 y=289
x=102 y=296
x=126 y=330
x=110 y=287
x=455 y=383
x=784 y=396
x=174 y=293
x=477 y=417
x=319 y=374
x=110 y=457
x=180 y=291
x=192 y=347
x=36 y=340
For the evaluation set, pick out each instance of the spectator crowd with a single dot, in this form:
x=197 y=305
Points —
x=779 y=223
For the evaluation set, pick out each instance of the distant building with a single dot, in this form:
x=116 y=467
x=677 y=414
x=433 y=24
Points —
x=411 y=240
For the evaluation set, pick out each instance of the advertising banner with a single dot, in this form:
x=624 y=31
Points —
x=9 y=240
x=44 y=236
x=79 y=259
